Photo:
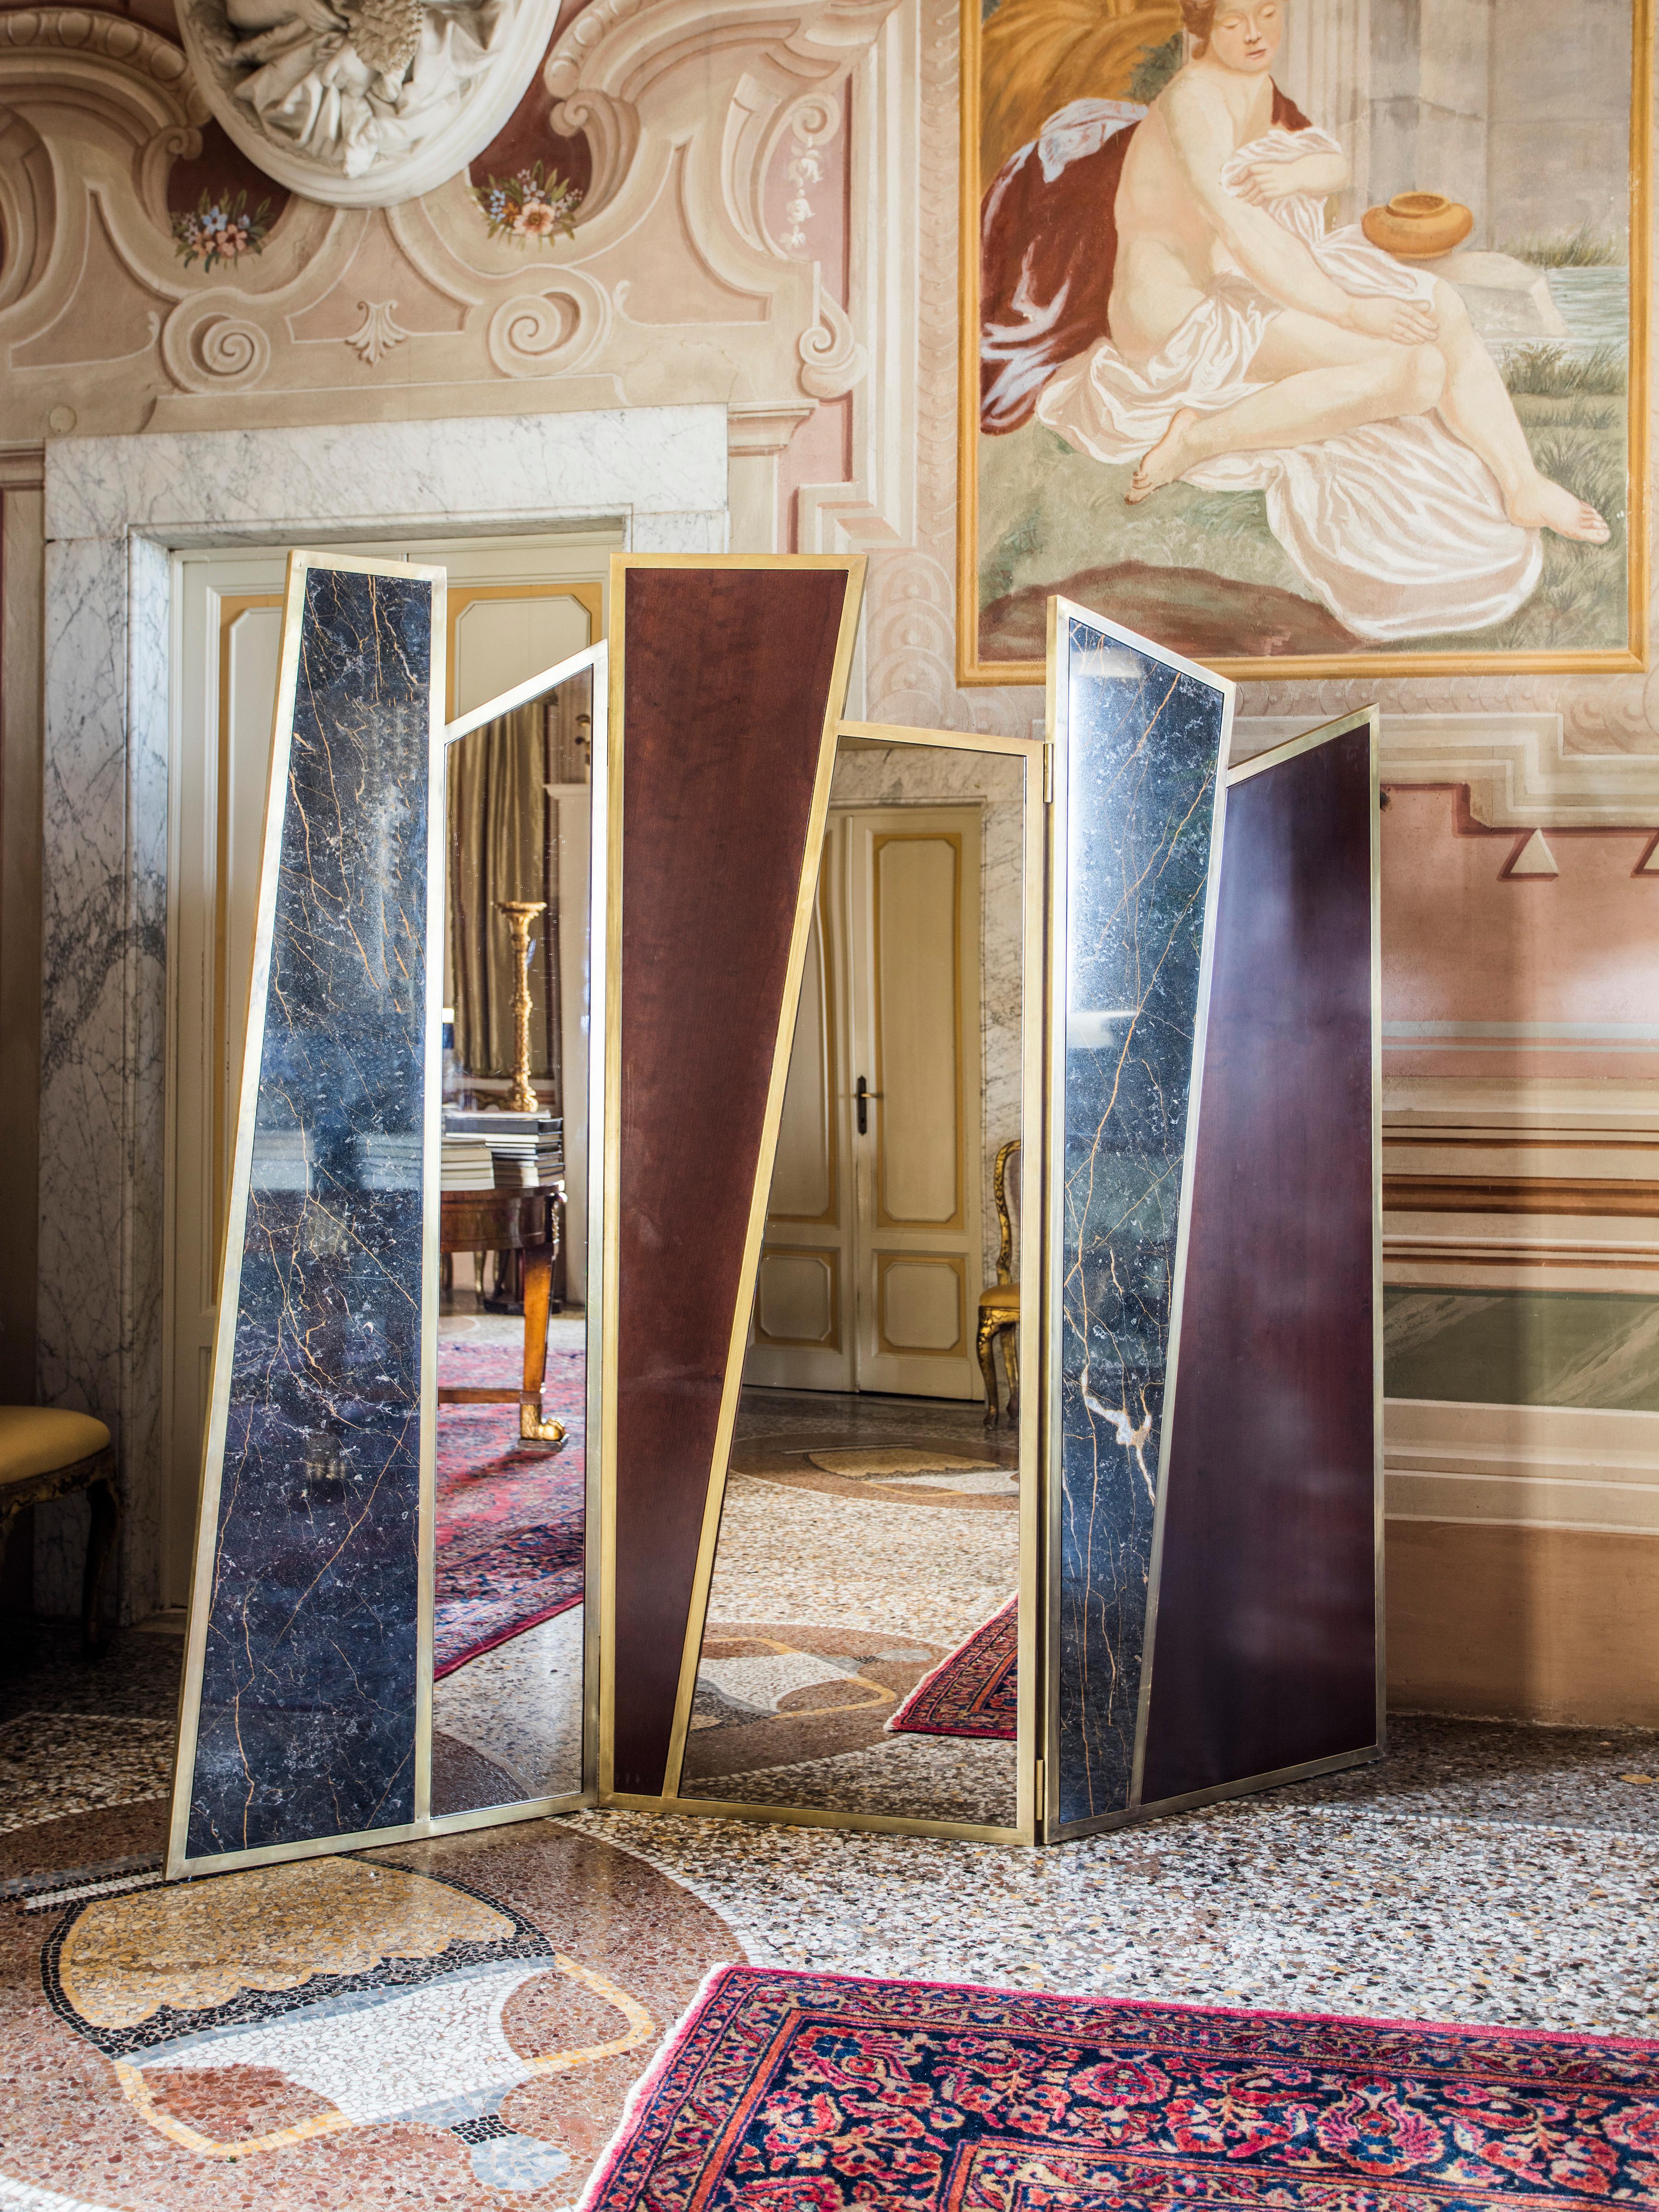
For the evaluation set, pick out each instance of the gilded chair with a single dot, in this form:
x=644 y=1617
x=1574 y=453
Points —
x=47 y=1453
x=999 y=1302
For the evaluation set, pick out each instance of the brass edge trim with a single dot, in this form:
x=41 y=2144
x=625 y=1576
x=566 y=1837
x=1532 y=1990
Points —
x=852 y=566
x=812 y=1816
x=597 y=1336
x=307 y=1847
x=177 y=1864
x=1638 y=400
x=969 y=190
x=1057 y=790
x=609 y=1165
x=1183 y=1234
x=521 y=695
x=503 y=1816
x=1276 y=1777
x=956 y=741
x=432 y=1120
x=1029 y=1810
x=235 y=1219
x=1373 y=716
x=1293 y=748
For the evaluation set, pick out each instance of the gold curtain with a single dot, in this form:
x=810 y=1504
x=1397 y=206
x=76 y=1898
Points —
x=1036 y=55
x=501 y=846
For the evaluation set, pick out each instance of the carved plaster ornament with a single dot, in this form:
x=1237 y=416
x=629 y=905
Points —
x=364 y=103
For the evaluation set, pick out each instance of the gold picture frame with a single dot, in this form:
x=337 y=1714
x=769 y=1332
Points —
x=975 y=669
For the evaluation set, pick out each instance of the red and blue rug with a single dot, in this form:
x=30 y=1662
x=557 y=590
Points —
x=785 y=2092
x=976 y=1690
x=510 y=1519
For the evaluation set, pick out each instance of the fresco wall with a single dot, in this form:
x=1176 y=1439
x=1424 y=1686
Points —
x=769 y=219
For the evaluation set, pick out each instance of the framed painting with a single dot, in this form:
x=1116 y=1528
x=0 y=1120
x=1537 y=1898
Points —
x=1312 y=332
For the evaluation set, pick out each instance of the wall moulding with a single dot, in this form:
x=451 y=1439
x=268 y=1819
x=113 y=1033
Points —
x=671 y=290
x=1516 y=768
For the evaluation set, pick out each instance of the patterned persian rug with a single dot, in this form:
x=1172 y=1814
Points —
x=976 y=1692
x=509 y=1521
x=812 y=2093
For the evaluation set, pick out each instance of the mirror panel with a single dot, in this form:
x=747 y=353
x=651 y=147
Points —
x=858 y=1653
x=509 y=1618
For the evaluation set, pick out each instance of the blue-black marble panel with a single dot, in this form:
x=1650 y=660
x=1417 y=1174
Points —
x=1142 y=747
x=308 y=1689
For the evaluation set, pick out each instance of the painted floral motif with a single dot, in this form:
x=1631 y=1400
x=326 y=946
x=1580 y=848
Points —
x=818 y=2092
x=220 y=229
x=529 y=205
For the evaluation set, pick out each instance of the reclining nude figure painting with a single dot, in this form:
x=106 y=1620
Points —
x=1272 y=388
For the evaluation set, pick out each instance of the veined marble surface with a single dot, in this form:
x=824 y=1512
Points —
x=1142 y=745
x=308 y=1688
x=468 y=470
x=114 y=508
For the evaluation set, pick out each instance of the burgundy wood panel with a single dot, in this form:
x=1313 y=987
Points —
x=1265 y=1653
x=726 y=677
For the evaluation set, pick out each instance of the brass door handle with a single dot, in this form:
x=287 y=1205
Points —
x=862 y=1094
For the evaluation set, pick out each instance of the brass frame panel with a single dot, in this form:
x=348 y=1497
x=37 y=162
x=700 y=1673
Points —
x=443 y=736
x=1025 y=1828
x=972 y=671
x=1061 y=612
x=178 y=1862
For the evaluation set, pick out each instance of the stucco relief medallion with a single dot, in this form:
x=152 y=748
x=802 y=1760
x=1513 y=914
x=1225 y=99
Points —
x=363 y=103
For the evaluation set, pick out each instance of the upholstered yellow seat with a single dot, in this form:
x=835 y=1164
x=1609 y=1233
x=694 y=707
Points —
x=46 y=1452
x=999 y=1301
x=40 y=1439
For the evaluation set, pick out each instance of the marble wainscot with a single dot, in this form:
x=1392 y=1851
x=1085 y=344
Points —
x=116 y=510
x=307 y=1654
x=1139 y=739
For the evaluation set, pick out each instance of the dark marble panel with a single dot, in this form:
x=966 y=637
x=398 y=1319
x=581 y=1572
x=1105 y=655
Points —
x=1142 y=747
x=308 y=1689
x=1267 y=1636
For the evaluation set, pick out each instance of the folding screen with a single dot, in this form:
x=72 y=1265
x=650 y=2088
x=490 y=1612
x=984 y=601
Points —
x=727 y=681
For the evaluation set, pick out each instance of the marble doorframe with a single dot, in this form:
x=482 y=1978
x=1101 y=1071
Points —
x=117 y=509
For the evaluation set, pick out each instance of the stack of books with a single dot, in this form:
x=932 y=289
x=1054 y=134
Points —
x=526 y=1150
x=467 y=1164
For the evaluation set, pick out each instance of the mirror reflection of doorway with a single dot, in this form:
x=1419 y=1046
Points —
x=857 y=1654
x=868 y=1276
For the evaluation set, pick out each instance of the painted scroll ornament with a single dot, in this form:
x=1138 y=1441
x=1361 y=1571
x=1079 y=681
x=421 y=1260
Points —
x=363 y=103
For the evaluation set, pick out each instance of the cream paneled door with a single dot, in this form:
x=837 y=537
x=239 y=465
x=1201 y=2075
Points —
x=870 y=1273
x=516 y=606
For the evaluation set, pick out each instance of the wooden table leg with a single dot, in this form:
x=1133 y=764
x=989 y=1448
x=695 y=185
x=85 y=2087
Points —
x=538 y=1290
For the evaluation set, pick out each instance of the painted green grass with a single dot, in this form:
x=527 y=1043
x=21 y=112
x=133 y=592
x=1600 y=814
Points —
x=1582 y=248
x=1047 y=512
